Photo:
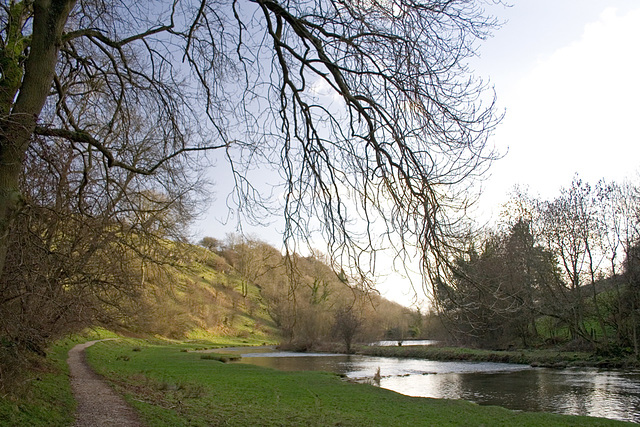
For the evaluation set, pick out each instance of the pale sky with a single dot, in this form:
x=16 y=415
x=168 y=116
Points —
x=567 y=75
x=566 y=72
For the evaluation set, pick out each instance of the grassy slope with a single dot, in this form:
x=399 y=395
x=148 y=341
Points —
x=203 y=299
x=44 y=396
x=199 y=299
x=171 y=387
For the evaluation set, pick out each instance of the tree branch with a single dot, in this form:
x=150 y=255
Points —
x=86 y=138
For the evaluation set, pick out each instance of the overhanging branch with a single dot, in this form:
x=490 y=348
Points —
x=86 y=138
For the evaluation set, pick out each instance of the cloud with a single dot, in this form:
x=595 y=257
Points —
x=576 y=111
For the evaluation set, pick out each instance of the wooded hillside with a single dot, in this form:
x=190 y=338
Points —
x=238 y=288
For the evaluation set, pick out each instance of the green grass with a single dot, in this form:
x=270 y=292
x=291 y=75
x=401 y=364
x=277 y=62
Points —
x=171 y=387
x=199 y=336
x=43 y=397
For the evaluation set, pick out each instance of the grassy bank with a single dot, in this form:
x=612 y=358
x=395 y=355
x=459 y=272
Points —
x=545 y=358
x=42 y=397
x=173 y=387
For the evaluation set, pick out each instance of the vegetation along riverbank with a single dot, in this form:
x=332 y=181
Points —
x=550 y=358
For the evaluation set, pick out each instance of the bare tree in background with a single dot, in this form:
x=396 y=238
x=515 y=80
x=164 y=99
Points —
x=365 y=107
x=568 y=227
x=620 y=207
x=347 y=325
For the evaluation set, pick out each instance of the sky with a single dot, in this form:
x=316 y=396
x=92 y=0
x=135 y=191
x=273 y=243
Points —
x=567 y=75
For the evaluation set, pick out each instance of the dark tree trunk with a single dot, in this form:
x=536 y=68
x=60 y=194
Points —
x=16 y=128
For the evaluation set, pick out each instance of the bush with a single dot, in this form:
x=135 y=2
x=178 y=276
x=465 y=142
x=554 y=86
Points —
x=224 y=358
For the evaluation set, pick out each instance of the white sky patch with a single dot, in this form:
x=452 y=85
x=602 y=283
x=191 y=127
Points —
x=575 y=111
x=321 y=88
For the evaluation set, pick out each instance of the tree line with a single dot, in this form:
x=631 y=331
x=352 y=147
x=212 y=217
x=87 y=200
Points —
x=558 y=271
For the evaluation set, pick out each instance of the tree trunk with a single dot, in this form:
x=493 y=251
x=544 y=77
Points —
x=596 y=304
x=16 y=128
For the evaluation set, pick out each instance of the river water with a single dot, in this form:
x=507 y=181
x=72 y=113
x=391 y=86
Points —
x=595 y=392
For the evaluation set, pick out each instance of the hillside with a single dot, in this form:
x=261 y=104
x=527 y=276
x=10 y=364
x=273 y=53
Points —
x=200 y=296
x=246 y=289
x=147 y=285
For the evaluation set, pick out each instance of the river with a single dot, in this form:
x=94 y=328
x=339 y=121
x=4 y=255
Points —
x=595 y=392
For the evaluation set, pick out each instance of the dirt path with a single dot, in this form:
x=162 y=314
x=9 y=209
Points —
x=98 y=404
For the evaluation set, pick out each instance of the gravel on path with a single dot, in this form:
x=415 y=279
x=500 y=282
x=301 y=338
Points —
x=98 y=403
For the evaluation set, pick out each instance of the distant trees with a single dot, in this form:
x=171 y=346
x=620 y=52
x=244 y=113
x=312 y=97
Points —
x=584 y=228
x=629 y=305
x=570 y=229
x=211 y=243
x=493 y=299
x=346 y=325
x=553 y=275
x=313 y=305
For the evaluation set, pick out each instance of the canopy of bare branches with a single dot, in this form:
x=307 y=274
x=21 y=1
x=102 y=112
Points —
x=365 y=107
x=107 y=107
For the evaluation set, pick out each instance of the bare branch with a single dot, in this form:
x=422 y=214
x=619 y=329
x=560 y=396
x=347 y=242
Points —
x=84 y=137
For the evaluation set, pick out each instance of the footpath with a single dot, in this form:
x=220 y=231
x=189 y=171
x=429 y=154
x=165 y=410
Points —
x=98 y=404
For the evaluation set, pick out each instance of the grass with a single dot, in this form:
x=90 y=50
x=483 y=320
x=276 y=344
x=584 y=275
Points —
x=44 y=396
x=199 y=336
x=171 y=387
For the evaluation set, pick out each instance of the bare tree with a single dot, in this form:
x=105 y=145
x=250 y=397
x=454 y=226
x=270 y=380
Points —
x=347 y=325
x=567 y=225
x=126 y=86
x=621 y=219
x=498 y=289
x=84 y=245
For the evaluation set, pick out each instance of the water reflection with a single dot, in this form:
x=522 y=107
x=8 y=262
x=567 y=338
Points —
x=583 y=391
x=610 y=394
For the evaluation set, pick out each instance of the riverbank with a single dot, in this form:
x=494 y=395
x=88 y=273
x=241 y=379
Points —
x=538 y=358
x=171 y=386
